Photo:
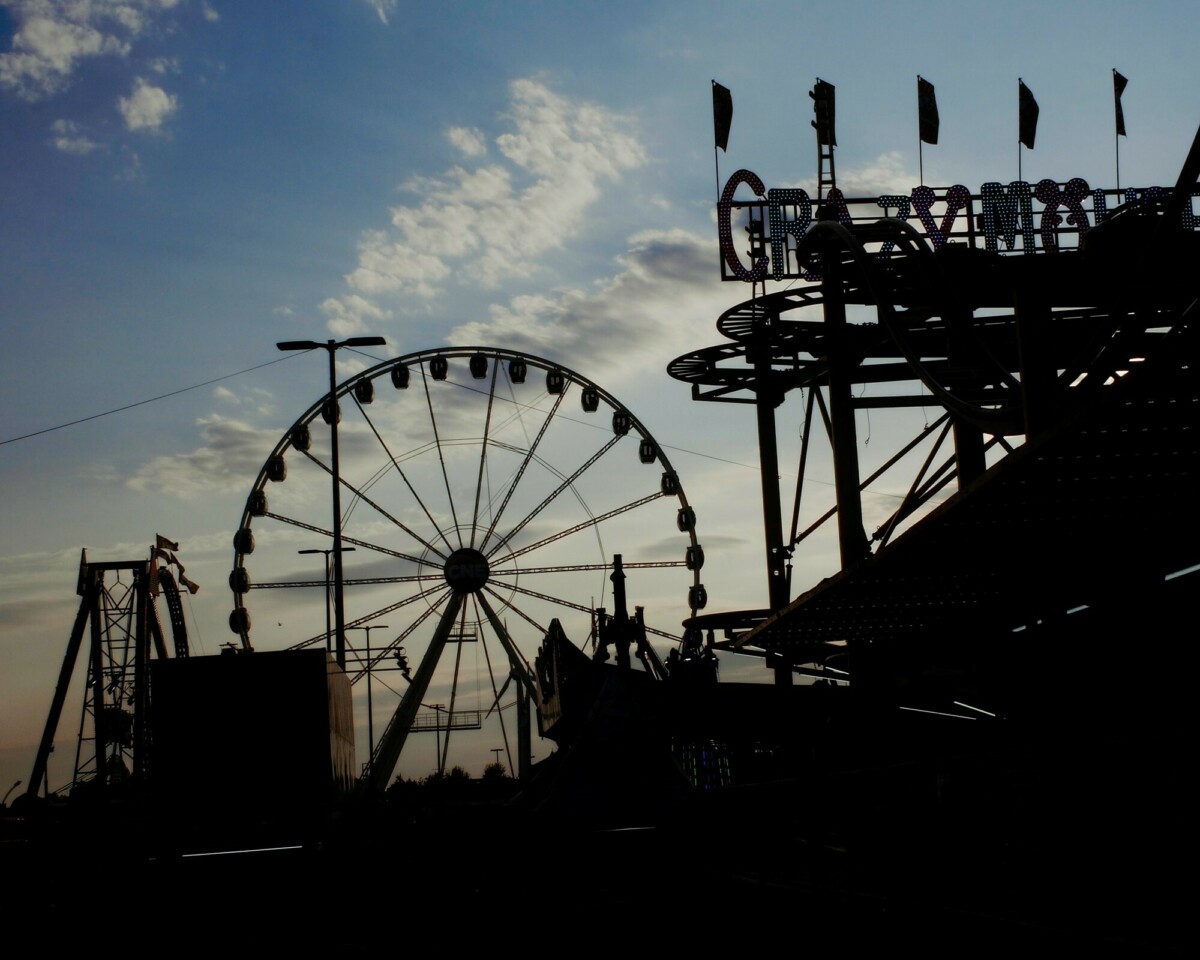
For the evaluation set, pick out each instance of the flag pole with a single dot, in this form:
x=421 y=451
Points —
x=1117 y=148
x=927 y=120
x=1027 y=119
x=717 y=172
x=920 y=141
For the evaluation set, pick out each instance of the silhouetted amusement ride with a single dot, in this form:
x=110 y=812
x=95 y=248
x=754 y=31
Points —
x=987 y=685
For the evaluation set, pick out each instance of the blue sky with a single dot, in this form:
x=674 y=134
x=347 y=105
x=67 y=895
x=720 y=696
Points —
x=187 y=182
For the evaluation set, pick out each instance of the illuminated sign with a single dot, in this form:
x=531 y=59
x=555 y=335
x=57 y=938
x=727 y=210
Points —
x=1000 y=218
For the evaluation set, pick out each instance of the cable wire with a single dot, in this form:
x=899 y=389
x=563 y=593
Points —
x=142 y=403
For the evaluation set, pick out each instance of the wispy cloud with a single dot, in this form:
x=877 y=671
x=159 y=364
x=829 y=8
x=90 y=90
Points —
x=382 y=8
x=493 y=222
x=664 y=280
x=229 y=460
x=69 y=138
x=883 y=175
x=131 y=168
x=250 y=398
x=351 y=314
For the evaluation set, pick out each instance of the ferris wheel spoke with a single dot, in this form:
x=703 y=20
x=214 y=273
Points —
x=348 y=581
x=407 y=483
x=441 y=455
x=398 y=642
x=554 y=494
x=365 y=544
x=562 y=603
x=529 y=455
x=372 y=616
x=487 y=424
x=585 y=568
x=666 y=634
x=367 y=618
x=582 y=525
x=517 y=610
x=544 y=596
x=361 y=495
x=416 y=578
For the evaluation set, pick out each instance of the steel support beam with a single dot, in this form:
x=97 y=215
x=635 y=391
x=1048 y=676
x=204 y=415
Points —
x=387 y=753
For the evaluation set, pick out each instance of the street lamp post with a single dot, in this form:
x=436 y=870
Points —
x=370 y=716
x=328 y=626
x=331 y=346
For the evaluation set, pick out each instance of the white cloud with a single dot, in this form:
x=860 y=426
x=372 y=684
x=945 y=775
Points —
x=666 y=284
x=350 y=314
x=69 y=138
x=885 y=174
x=147 y=107
x=469 y=140
x=479 y=222
x=250 y=398
x=209 y=13
x=229 y=460
x=53 y=37
x=382 y=8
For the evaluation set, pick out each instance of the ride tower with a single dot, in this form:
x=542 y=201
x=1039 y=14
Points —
x=118 y=614
x=998 y=318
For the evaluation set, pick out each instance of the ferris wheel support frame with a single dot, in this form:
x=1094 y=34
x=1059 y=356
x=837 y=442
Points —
x=477 y=575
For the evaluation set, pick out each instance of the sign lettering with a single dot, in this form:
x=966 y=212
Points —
x=1000 y=218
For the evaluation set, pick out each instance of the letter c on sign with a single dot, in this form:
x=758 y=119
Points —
x=725 y=230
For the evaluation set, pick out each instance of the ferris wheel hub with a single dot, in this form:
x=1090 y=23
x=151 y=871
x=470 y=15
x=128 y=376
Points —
x=466 y=570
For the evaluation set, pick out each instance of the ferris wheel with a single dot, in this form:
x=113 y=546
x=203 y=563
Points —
x=485 y=493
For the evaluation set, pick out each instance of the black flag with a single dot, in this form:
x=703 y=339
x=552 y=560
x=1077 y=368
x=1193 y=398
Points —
x=1118 y=89
x=927 y=112
x=1027 y=123
x=722 y=115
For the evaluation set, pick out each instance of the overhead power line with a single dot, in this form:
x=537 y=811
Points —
x=142 y=403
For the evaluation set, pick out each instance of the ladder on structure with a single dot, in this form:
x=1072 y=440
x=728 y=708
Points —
x=822 y=95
